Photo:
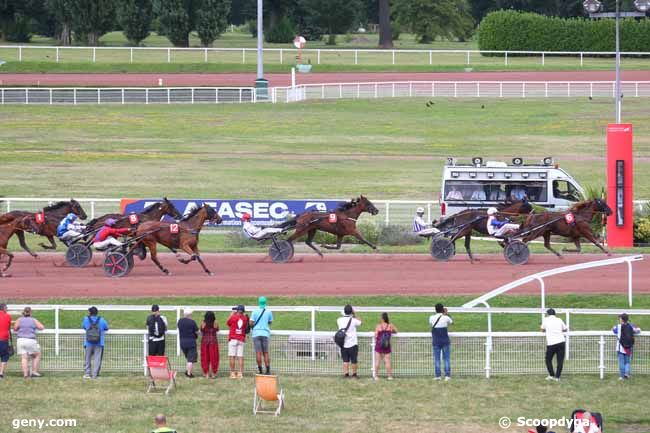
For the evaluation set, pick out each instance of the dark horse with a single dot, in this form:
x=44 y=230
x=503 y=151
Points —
x=476 y=219
x=186 y=237
x=7 y=230
x=53 y=215
x=152 y=212
x=555 y=223
x=340 y=222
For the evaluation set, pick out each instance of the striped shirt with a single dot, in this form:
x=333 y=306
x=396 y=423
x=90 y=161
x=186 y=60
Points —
x=418 y=224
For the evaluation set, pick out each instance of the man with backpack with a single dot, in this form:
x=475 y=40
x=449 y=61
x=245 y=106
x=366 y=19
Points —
x=349 y=344
x=440 y=341
x=95 y=327
x=625 y=332
x=261 y=332
x=156 y=327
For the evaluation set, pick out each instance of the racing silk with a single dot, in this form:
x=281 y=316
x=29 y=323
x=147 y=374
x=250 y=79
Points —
x=63 y=226
x=418 y=224
x=106 y=231
x=493 y=224
x=250 y=229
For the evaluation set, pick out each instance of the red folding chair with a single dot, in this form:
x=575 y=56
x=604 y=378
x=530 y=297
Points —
x=159 y=373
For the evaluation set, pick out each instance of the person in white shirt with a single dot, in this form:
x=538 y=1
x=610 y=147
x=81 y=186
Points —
x=496 y=227
x=479 y=194
x=420 y=226
x=454 y=194
x=350 y=349
x=555 y=343
x=440 y=342
x=254 y=232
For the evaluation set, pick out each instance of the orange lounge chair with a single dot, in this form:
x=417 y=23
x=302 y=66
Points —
x=160 y=372
x=266 y=389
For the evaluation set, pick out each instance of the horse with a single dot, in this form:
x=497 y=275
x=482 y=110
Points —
x=153 y=212
x=7 y=230
x=558 y=223
x=341 y=222
x=476 y=219
x=52 y=214
x=183 y=235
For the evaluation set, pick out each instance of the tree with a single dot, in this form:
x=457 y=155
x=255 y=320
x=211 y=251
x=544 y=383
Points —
x=135 y=17
x=16 y=18
x=429 y=19
x=385 y=31
x=92 y=19
x=177 y=19
x=336 y=16
x=212 y=20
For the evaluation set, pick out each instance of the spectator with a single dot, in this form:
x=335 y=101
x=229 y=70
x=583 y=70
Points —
x=261 y=332
x=209 y=345
x=238 y=324
x=5 y=337
x=26 y=343
x=518 y=193
x=383 y=333
x=587 y=424
x=478 y=194
x=454 y=194
x=161 y=424
x=440 y=340
x=624 y=332
x=188 y=332
x=555 y=343
x=96 y=327
x=350 y=349
x=156 y=327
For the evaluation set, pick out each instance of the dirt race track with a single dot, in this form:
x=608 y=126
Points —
x=336 y=274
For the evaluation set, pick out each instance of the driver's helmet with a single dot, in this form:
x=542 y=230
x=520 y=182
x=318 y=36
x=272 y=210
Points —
x=109 y=222
x=419 y=210
x=492 y=211
x=246 y=216
x=71 y=217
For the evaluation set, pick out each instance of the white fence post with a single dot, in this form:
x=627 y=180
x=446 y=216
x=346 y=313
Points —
x=281 y=55
x=567 y=317
x=387 y=219
x=144 y=352
x=523 y=90
x=506 y=58
x=169 y=99
x=356 y=57
x=243 y=56
x=169 y=55
x=50 y=96
x=543 y=59
x=20 y=53
x=122 y=96
x=313 y=334
x=629 y=283
x=430 y=57
x=178 y=340
x=500 y=90
x=601 y=367
x=74 y=96
x=636 y=89
x=488 y=351
x=205 y=55
x=455 y=90
x=568 y=89
x=94 y=54
x=318 y=56
x=131 y=55
x=56 y=330
x=57 y=54
x=478 y=89
x=468 y=52
x=146 y=96
x=92 y=209
x=393 y=56
x=581 y=61
x=546 y=90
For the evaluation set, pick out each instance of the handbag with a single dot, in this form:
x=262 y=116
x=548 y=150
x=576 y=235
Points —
x=10 y=348
x=339 y=337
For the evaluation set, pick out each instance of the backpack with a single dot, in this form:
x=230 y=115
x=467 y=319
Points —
x=339 y=337
x=93 y=333
x=384 y=340
x=248 y=324
x=162 y=328
x=627 y=336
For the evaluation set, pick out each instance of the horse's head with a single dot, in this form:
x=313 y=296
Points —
x=168 y=208
x=367 y=206
x=213 y=216
x=601 y=206
x=76 y=209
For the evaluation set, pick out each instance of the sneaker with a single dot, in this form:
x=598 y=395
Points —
x=437 y=378
x=2 y=376
x=86 y=376
x=259 y=368
x=268 y=370
x=447 y=379
x=626 y=377
x=35 y=374
x=375 y=377
x=621 y=378
x=346 y=376
x=354 y=376
x=557 y=379
x=189 y=375
x=233 y=375
x=550 y=378
x=390 y=377
x=240 y=375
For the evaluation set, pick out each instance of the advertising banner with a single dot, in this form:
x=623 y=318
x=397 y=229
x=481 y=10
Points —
x=263 y=212
x=620 y=189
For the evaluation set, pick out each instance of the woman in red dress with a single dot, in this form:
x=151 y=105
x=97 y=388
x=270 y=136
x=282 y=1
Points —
x=209 y=345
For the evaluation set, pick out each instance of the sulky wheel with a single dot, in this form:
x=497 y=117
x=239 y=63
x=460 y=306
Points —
x=281 y=251
x=516 y=252
x=129 y=258
x=78 y=255
x=442 y=248
x=116 y=264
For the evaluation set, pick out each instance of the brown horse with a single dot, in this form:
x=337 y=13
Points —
x=7 y=230
x=53 y=215
x=152 y=212
x=555 y=223
x=186 y=237
x=465 y=222
x=341 y=222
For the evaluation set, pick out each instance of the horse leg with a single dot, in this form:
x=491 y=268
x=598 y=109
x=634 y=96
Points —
x=359 y=236
x=547 y=244
x=591 y=238
x=576 y=242
x=339 y=239
x=196 y=256
x=23 y=244
x=468 y=247
x=52 y=245
x=310 y=237
x=11 y=257
x=154 y=257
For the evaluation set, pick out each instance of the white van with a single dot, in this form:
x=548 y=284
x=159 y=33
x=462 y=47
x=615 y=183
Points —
x=484 y=184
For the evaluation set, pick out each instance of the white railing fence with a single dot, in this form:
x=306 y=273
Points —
x=391 y=212
x=459 y=89
x=369 y=56
x=135 y=95
x=473 y=354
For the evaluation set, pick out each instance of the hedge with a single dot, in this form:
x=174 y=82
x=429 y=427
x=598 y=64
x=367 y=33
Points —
x=508 y=30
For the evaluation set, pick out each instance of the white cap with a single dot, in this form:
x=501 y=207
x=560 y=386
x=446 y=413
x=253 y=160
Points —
x=419 y=210
x=492 y=211
x=187 y=311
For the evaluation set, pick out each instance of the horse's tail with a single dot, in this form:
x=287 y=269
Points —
x=289 y=224
x=6 y=218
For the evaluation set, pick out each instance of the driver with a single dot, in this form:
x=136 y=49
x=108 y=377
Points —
x=420 y=226
x=499 y=228
x=106 y=235
x=69 y=228
x=254 y=232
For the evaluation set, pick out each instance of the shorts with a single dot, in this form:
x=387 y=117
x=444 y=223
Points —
x=190 y=353
x=4 y=351
x=236 y=348
x=27 y=346
x=350 y=354
x=261 y=344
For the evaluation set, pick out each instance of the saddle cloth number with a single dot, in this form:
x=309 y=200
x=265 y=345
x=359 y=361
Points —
x=134 y=219
x=174 y=228
x=569 y=218
x=40 y=218
x=332 y=218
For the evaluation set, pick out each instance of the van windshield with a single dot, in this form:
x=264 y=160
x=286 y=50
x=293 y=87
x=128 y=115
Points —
x=565 y=190
x=483 y=190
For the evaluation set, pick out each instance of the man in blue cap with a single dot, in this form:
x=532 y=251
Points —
x=261 y=330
